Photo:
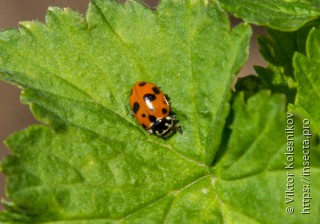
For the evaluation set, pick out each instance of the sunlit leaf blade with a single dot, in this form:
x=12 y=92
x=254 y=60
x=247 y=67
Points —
x=120 y=44
x=307 y=76
x=252 y=179
x=78 y=174
x=93 y=162
x=277 y=14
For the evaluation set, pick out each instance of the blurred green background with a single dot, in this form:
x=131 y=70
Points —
x=13 y=115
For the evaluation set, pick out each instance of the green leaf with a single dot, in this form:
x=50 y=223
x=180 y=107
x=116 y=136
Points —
x=93 y=162
x=307 y=76
x=94 y=63
x=278 y=49
x=284 y=15
x=249 y=85
x=79 y=175
x=272 y=78
x=251 y=173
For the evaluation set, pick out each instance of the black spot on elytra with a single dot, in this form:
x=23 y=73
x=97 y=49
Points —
x=152 y=118
x=142 y=83
x=136 y=107
x=156 y=90
x=143 y=115
x=149 y=97
x=145 y=127
x=164 y=110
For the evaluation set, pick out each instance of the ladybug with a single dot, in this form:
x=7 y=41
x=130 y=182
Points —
x=151 y=108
